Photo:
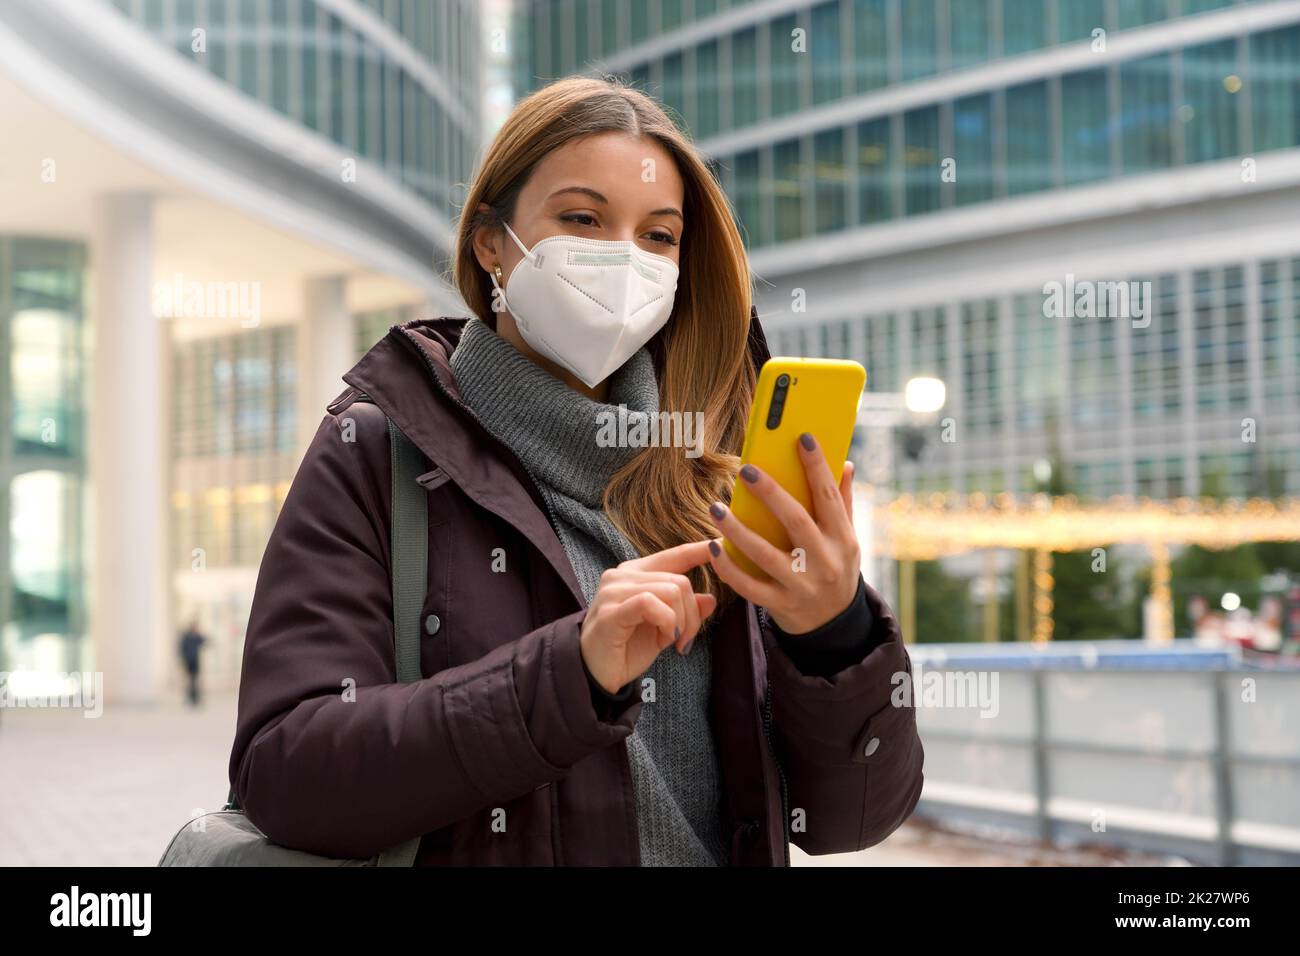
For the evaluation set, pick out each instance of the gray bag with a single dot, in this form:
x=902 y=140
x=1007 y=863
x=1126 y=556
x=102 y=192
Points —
x=226 y=837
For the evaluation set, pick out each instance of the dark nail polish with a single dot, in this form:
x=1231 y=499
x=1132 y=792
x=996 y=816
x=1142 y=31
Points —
x=807 y=441
x=749 y=473
x=686 y=648
x=713 y=546
x=717 y=511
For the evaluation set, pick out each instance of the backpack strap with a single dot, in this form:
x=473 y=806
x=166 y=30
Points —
x=409 y=558
x=409 y=549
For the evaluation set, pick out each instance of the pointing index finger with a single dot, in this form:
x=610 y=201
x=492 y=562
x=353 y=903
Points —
x=676 y=560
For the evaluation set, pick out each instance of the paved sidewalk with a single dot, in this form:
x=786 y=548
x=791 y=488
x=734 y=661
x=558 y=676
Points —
x=113 y=790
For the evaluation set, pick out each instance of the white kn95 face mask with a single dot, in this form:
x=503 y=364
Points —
x=588 y=304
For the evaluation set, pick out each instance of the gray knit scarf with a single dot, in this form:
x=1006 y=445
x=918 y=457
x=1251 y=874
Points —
x=553 y=431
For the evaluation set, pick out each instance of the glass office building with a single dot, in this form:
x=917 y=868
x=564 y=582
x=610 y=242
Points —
x=408 y=106
x=912 y=178
x=310 y=156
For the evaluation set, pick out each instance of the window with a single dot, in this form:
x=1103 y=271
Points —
x=787 y=191
x=921 y=161
x=749 y=207
x=43 y=324
x=1085 y=125
x=875 y=173
x=638 y=21
x=1275 y=88
x=830 y=181
x=708 y=93
x=1146 y=114
x=309 y=107
x=1029 y=154
x=973 y=148
x=673 y=95
x=1211 y=91
x=784 y=65
x=609 y=20
x=827 y=56
x=920 y=38
x=881 y=359
x=1138 y=13
x=981 y=349
x=744 y=72
x=870 y=50
x=670 y=14
x=280 y=58
x=218 y=37
x=1024 y=25
x=1037 y=378
x=249 y=37
x=970 y=36
x=1076 y=19
x=582 y=25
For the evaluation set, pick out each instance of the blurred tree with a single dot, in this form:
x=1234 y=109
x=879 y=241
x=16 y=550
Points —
x=1090 y=603
x=944 y=611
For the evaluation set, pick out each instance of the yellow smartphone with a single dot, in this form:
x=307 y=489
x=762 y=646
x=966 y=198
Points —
x=793 y=396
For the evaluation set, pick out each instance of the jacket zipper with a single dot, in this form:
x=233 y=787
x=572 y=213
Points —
x=771 y=746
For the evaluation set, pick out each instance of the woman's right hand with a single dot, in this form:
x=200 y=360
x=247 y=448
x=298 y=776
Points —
x=640 y=608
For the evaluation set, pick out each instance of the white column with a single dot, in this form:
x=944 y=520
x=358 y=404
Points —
x=127 y=464
x=326 y=349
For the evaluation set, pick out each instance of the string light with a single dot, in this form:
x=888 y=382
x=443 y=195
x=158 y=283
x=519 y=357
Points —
x=908 y=529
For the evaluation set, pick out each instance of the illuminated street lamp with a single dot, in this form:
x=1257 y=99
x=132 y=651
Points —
x=924 y=395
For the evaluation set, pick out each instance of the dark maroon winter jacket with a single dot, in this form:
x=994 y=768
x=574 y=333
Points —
x=504 y=718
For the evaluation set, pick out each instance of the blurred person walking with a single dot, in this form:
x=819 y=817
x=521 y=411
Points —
x=190 y=644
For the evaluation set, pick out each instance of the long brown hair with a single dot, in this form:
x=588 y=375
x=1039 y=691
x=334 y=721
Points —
x=661 y=498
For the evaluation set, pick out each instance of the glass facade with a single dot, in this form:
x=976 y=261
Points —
x=42 y=456
x=1183 y=106
x=351 y=78
x=234 y=441
x=1079 y=384
x=819 y=119
x=234 y=436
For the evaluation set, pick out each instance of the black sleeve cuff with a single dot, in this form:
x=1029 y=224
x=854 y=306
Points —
x=609 y=706
x=841 y=642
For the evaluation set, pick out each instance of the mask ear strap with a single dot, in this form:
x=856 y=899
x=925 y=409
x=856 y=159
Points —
x=522 y=248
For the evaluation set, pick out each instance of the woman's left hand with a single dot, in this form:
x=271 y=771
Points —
x=799 y=599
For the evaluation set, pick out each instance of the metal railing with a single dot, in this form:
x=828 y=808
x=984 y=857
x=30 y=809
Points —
x=1201 y=763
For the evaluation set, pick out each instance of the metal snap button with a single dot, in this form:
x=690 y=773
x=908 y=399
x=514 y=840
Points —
x=872 y=746
x=432 y=623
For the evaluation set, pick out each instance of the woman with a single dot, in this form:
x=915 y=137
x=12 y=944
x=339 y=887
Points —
x=552 y=726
